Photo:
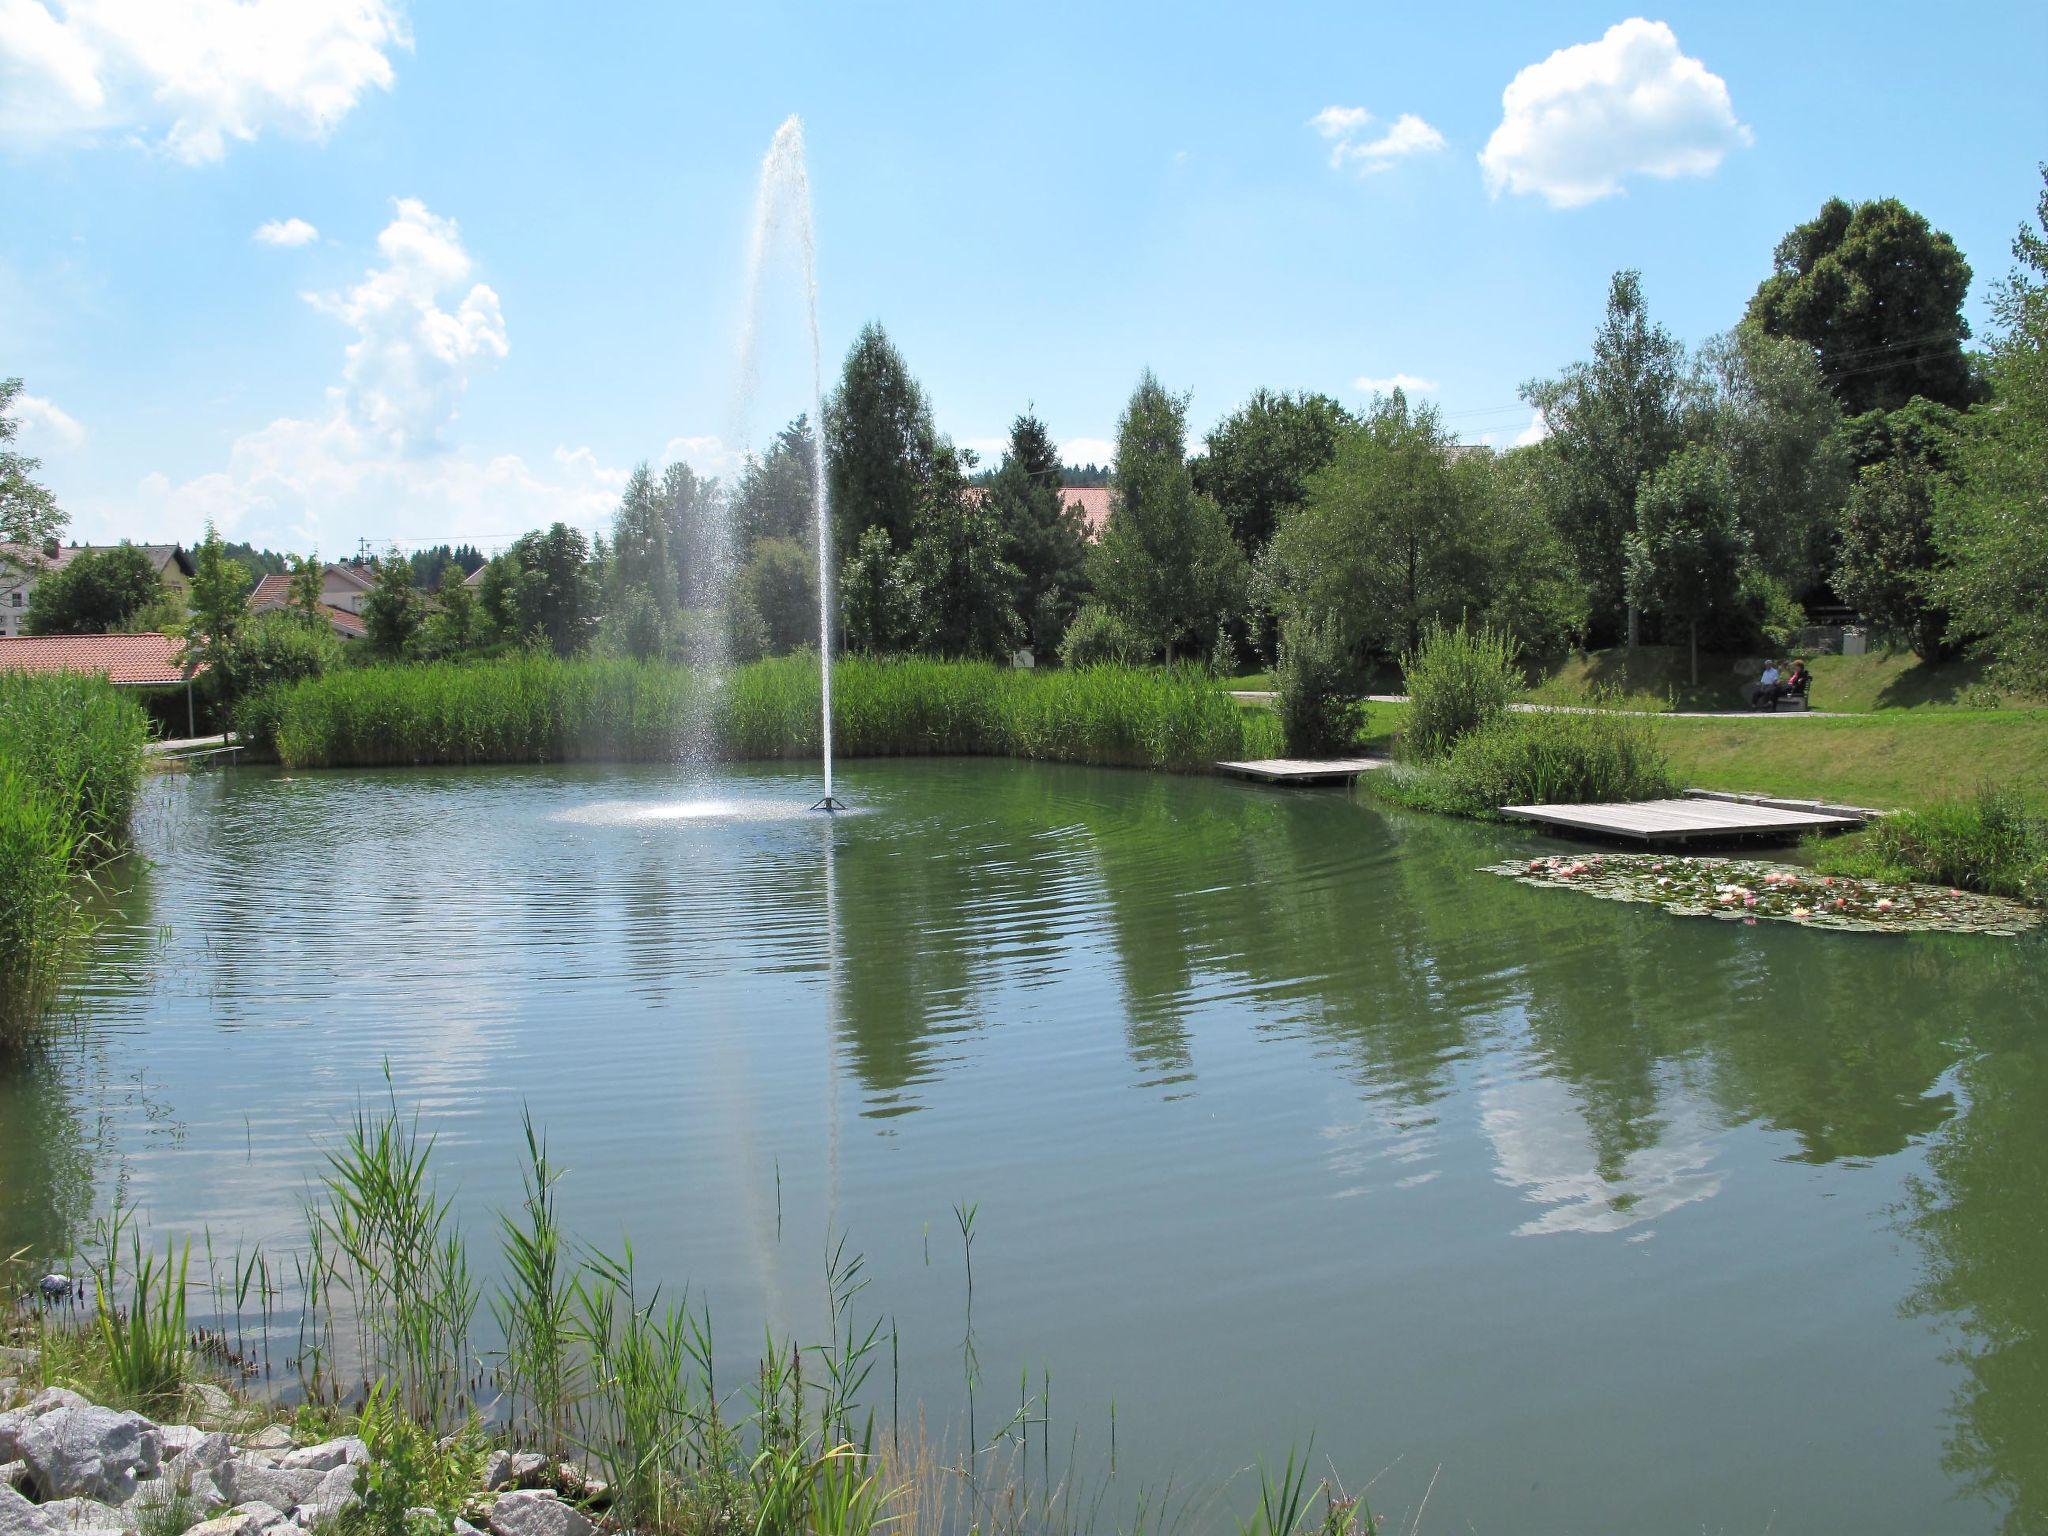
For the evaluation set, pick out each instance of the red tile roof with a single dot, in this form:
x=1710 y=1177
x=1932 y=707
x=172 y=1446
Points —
x=1092 y=500
x=129 y=661
x=273 y=594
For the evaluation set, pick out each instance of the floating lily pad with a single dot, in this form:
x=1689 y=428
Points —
x=1753 y=890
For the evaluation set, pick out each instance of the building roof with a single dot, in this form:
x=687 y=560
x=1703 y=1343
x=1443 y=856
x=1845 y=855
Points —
x=160 y=555
x=273 y=594
x=1092 y=501
x=127 y=661
x=476 y=577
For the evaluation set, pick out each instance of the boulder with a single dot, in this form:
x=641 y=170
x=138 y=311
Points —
x=208 y=1451
x=243 y=1480
x=84 y=1515
x=11 y=1426
x=194 y=1485
x=464 y=1528
x=497 y=1471
x=536 y=1512
x=18 y=1517
x=50 y=1399
x=335 y=1492
x=13 y=1473
x=177 y=1439
x=94 y=1452
x=327 y=1455
x=210 y=1404
x=15 y=1361
x=231 y=1524
x=271 y=1437
x=268 y=1517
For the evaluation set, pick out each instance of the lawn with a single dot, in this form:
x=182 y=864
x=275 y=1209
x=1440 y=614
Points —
x=1657 y=678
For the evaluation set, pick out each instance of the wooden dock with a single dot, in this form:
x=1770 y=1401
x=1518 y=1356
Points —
x=1692 y=819
x=1303 y=770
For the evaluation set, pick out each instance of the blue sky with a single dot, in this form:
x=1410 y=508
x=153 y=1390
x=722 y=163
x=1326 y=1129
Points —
x=524 y=228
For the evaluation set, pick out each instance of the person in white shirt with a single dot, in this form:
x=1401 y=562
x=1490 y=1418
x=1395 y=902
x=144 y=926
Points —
x=1766 y=689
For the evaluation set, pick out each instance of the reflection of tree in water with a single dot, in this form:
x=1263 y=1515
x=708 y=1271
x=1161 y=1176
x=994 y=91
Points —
x=49 y=1148
x=1980 y=1219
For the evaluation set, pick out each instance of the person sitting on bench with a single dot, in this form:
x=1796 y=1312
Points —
x=1796 y=683
x=1763 y=693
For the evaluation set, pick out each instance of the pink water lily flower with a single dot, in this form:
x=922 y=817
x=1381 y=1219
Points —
x=1884 y=903
x=1801 y=912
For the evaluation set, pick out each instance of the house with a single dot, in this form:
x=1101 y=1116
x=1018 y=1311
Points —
x=126 y=661
x=1091 y=501
x=342 y=590
x=475 y=579
x=22 y=567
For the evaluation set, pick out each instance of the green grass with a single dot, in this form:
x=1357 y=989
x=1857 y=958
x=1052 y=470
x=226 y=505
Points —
x=1990 y=842
x=70 y=768
x=539 y=709
x=1528 y=758
x=1657 y=677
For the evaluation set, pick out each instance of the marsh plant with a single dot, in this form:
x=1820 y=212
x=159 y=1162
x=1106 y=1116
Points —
x=1458 y=680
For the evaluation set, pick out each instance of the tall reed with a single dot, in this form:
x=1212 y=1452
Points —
x=541 y=709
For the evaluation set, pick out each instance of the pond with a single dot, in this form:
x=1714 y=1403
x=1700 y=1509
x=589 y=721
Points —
x=1278 y=1117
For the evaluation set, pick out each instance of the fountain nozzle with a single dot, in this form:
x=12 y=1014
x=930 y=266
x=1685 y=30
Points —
x=830 y=804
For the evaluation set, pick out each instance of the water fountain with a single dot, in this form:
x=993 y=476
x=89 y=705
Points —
x=782 y=208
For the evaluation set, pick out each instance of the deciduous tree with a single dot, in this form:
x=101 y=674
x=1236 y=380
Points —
x=95 y=592
x=1687 y=553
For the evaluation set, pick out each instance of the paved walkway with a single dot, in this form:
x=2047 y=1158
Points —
x=1266 y=696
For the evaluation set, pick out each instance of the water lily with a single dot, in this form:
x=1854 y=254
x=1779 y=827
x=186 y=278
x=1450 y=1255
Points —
x=1801 y=912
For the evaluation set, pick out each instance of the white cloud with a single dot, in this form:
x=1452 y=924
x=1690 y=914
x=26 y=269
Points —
x=1407 y=383
x=189 y=75
x=410 y=361
x=285 y=232
x=1575 y=126
x=1087 y=450
x=1350 y=149
x=45 y=426
x=707 y=455
x=991 y=449
x=378 y=463
x=1537 y=430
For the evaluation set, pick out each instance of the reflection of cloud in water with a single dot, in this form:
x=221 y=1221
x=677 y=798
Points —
x=1543 y=1146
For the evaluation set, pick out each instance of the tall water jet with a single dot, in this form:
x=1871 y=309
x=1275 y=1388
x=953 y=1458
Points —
x=782 y=205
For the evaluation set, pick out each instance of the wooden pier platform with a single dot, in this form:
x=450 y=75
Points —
x=1694 y=818
x=1302 y=770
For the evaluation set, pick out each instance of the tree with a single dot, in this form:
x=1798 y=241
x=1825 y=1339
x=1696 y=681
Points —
x=498 y=598
x=303 y=591
x=556 y=593
x=640 y=559
x=779 y=583
x=776 y=490
x=1886 y=565
x=1991 y=521
x=1385 y=540
x=454 y=625
x=219 y=596
x=95 y=592
x=1042 y=535
x=391 y=612
x=1878 y=294
x=1771 y=413
x=966 y=591
x=1612 y=421
x=878 y=597
x=1166 y=565
x=29 y=514
x=1688 y=553
x=1260 y=458
x=882 y=450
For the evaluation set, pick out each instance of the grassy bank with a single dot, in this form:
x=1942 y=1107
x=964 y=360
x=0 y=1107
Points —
x=606 y=1377
x=70 y=767
x=1989 y=842
x=1658 y=677
x=540 y=709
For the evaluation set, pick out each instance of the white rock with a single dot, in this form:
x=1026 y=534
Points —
x=84 y=1515
x=18 y=1517
x=271 y=1437
x=328 y=1455
x=335 y=1492
x=497 y=1471
x=529 y=1469
x=536 y=1513
x=208 y=1451
x=227 y=1525
x=50 y=1399
x=91 y=1451
x=464 y=1528
x=242 y=1481
x=177 y=1439
x=17 y=1360
x=268 y=1517
x=193 y=1484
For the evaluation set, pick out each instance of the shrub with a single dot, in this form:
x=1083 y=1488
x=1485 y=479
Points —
x=1988 y=844
x=1458 y=680
x=1098 y=637
x=1314 y=678
x=1556 y=758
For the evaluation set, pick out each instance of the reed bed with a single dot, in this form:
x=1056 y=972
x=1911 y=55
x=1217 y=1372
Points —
x=1988 y=843
x=541 y=709
x=614 y=1379
x=70 y=768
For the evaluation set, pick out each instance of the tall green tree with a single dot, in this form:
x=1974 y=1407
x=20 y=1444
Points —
x=1688 y=552
x=219 y=597
x=1878 y=293
x=1042 y=534
x=967 y=591
x=1768 y=409
x=775 y=491
x=779 y=583
x=1260 y=458
x=392 y=612
x=883 y=453
x=29 y=514
x=1613 y=420
x=1991 y=522
x=1886 y=565
x=454 y=626
x=879 y=602
x=557 y=589
x=302 y=593
x=95 y=592
x=1167 y=565
x=1386 y=539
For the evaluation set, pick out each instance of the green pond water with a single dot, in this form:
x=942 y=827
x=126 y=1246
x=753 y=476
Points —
x=1281 y=1118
